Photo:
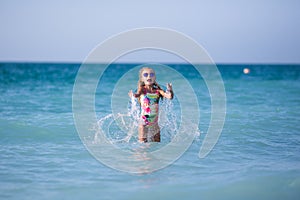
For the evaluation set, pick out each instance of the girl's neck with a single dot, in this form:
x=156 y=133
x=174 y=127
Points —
x=148 y=87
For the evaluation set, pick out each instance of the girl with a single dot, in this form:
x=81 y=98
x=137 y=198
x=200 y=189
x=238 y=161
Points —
x=149 y=93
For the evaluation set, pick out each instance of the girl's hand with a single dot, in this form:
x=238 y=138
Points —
x=130 y=93
x=169 y=93
x=169 y=87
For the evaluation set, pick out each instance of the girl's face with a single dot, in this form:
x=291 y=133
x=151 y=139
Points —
x=148 y=76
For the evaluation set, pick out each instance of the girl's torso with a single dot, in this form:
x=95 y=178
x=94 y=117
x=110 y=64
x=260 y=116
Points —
x=149 y=107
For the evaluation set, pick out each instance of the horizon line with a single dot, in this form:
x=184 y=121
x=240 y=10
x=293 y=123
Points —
x=141 y=63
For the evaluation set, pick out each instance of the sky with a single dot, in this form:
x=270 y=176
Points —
x=231 y=31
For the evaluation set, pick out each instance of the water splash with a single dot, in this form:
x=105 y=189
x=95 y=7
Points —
x=123 y=127
x=169 y=120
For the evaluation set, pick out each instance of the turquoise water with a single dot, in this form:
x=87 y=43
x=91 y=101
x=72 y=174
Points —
x=256 y=157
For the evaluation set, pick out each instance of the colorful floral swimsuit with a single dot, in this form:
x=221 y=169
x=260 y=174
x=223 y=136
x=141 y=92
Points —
x=149 y=105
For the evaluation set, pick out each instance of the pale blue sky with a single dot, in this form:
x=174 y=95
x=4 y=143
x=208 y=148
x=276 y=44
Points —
x=232 y=31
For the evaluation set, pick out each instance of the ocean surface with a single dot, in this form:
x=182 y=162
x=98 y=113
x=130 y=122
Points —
x=257 y=155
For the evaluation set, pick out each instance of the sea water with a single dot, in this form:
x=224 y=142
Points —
x=256 y=157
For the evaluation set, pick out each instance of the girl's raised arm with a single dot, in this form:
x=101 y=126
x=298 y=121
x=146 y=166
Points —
x=136 y=95
x=169 y=94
